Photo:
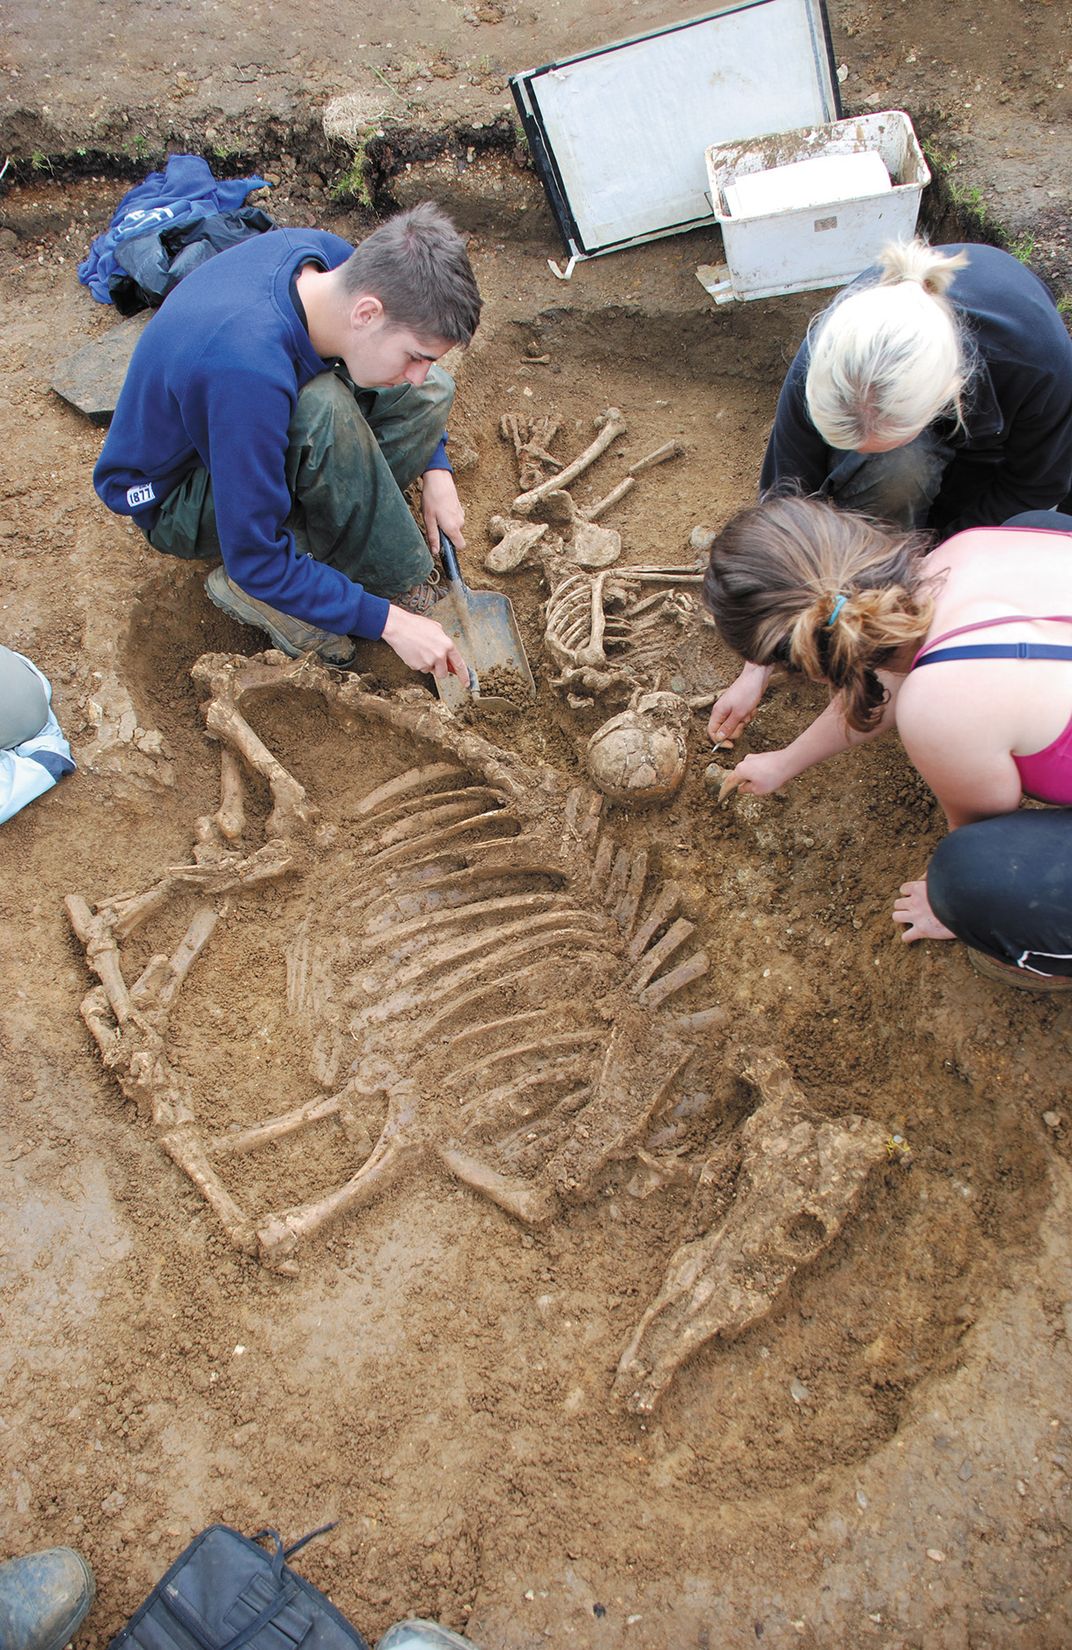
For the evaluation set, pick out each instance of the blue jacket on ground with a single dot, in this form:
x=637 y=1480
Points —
x=184 y=190
x=213 y=381
x=1015 y=450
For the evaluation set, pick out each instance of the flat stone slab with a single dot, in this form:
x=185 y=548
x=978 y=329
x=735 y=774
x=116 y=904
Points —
x=92 y=378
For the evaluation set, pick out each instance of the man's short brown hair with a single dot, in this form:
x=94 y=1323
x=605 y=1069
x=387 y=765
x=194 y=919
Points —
x=417 y=266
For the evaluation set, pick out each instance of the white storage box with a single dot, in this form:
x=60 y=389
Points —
x=794 y=248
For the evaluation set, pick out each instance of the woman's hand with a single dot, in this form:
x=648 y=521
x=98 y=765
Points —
x=757 y=775
x=914 y=910
x=442 y=509
x=733 y=710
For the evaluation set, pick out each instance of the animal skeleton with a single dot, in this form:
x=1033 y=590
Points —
x=506 y=997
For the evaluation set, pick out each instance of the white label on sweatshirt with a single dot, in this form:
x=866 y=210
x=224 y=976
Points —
x=137 y=496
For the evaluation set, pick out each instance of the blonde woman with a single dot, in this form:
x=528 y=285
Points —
x=967 y=651
x=936 y=391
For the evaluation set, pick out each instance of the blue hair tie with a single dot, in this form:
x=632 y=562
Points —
x=838 y=605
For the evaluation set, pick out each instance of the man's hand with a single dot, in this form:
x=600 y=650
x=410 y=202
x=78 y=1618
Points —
x=757 y=775
x=423 y=644
x=442 y=509
x=733 y=710
x=914 y=910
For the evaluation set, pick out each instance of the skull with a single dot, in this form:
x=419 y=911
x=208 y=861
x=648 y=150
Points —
x=640 y=756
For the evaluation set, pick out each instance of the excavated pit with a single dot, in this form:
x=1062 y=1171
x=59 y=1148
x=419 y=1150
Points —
x=461 y=1385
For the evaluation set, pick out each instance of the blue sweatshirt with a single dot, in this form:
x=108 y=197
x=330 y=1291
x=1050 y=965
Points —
x=1014 y=452
x=213 y=381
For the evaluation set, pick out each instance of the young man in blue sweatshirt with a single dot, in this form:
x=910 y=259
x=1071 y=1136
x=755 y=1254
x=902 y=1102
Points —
x=274 y=411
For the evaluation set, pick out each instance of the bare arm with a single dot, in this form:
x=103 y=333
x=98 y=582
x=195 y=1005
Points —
x=827 y=736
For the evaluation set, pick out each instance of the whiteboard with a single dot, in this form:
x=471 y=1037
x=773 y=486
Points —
x=619 y=134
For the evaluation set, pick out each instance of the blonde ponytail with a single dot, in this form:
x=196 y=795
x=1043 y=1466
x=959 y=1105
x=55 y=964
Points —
x=887 y=359
x=916 y=261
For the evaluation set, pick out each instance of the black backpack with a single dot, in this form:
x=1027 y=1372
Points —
x=227 y=1592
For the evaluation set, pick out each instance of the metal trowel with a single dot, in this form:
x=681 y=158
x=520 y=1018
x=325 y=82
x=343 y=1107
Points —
x=483 y=625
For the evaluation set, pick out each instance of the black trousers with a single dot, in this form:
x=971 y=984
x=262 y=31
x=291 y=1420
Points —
x=1004 y=886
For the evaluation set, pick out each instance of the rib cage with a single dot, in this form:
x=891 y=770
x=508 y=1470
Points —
x=502 y=996
x=506 y=953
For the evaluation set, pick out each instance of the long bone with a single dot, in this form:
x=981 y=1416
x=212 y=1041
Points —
x=613 y=425
x=126 y=912
x=291 y=810
x=535 y=1205
x=278 y=1237
x=185 y=1149
x=576 y=941
x=436 y=812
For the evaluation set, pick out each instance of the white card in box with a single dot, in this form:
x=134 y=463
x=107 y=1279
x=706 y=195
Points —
x=817 y=182
x=811 y=243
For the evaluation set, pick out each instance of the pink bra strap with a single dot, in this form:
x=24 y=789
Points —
x=986 y=624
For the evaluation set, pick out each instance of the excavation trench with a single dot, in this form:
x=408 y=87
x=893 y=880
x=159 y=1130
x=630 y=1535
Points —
x=448 y=1373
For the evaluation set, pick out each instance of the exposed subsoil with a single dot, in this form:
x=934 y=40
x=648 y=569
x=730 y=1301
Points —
x=884 y=1460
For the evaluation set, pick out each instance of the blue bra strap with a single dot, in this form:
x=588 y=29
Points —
x=996 y=650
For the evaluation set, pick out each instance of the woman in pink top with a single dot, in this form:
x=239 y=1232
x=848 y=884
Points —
x=862 y=607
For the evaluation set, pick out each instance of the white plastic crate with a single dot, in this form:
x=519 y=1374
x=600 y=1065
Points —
x=799 y=247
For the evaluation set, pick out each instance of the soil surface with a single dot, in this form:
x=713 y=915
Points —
x=884 y=1457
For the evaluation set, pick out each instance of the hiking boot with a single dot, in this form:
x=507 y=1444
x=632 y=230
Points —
x=1021 y=979
x=424 y=596
x=43 y=1599
x=291 y=636
x=423 y=1635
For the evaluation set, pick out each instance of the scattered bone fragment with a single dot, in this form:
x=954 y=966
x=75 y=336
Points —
x=531 y=438
x=801 y=1178
x=669 y=449
x=589 y=545
x=721 y=782
x=612 y=426
x=515 y=540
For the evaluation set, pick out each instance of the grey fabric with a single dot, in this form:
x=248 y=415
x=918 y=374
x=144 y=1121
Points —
x=350 y=454
x=23 y=701
x=899 y=486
